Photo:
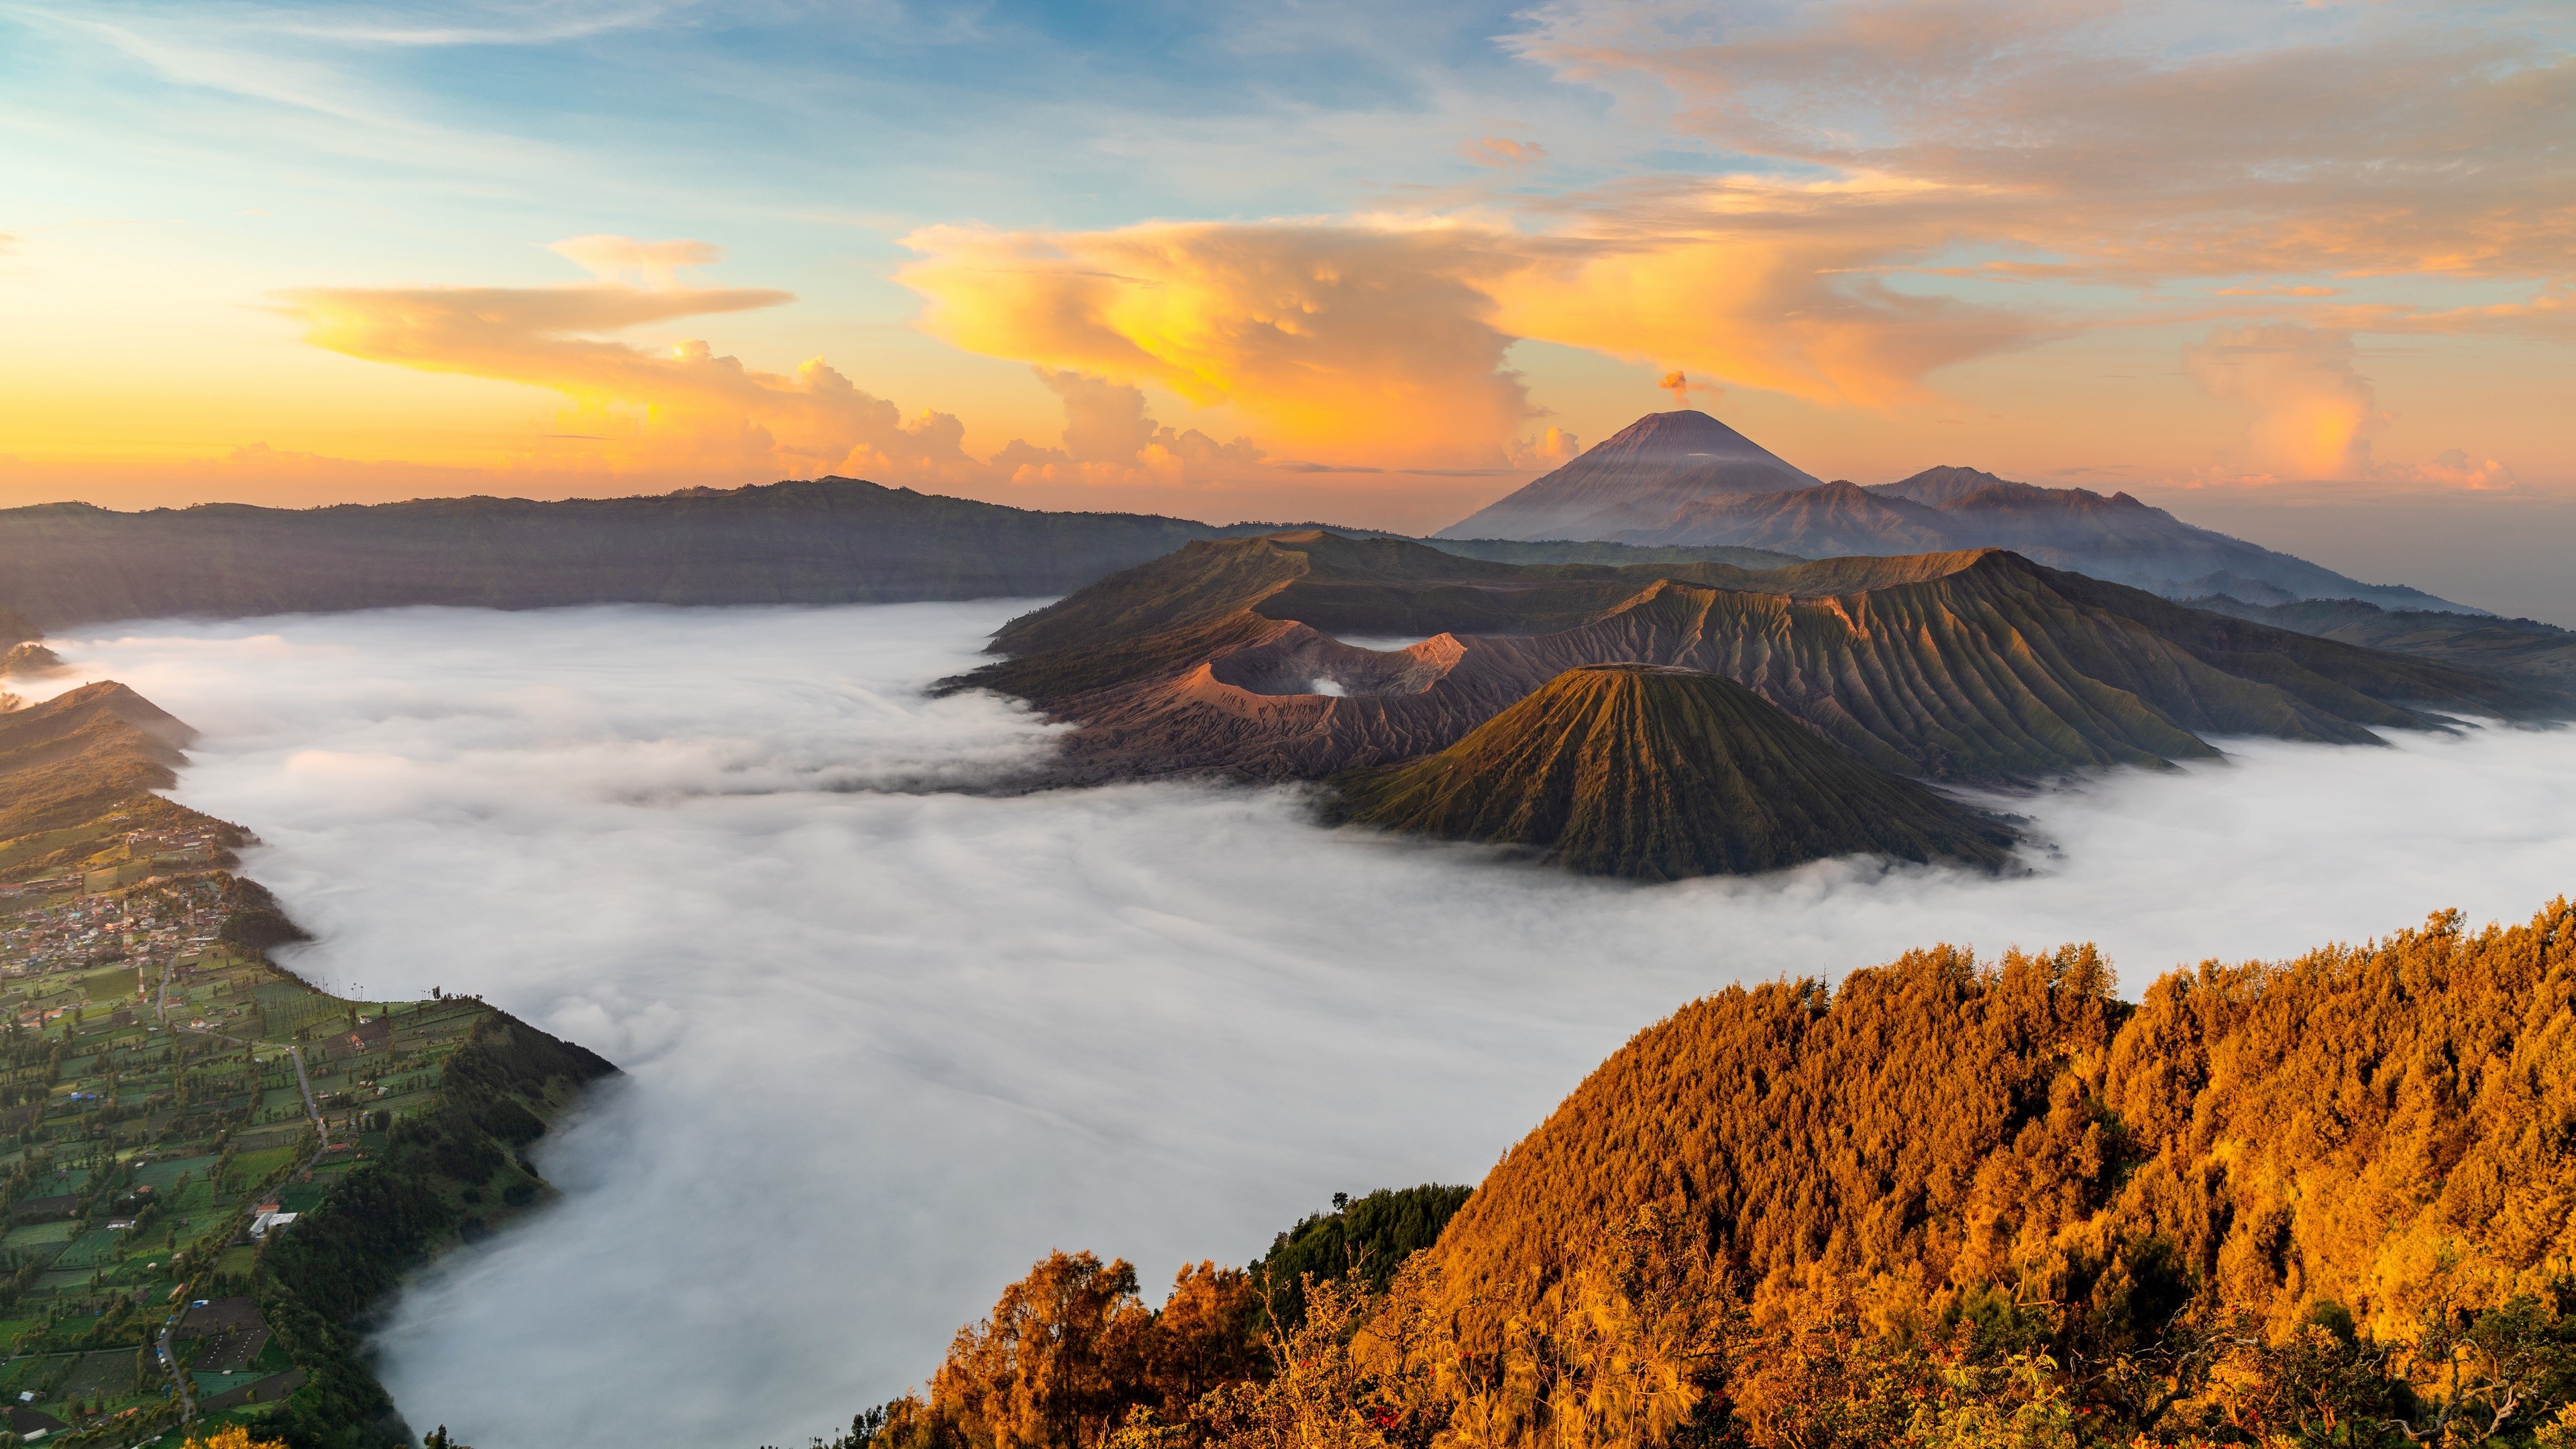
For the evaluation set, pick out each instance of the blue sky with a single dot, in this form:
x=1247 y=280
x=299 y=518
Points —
x=2177 y=245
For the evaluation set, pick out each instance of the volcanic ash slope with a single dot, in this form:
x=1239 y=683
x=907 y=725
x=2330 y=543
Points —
x=1662 y=774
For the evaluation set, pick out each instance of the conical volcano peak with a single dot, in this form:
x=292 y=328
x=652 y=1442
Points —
x=1680 y=434
x=1661 y=773
x=1636 y=478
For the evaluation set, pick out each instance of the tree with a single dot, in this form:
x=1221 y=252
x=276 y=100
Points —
x=1056 y=1365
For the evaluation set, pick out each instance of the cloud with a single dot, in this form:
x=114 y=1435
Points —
x=1111 y=441
x=884 y=1049
x=1552 y=448
x=2123 y=142
x=1358 y=339
x=1502 y=152
x=617 y=258
x=1104 y=421
x=2311 y=406
x=680 y=404
x=2454 y=468
x=2314 y=410
x=1386 y=340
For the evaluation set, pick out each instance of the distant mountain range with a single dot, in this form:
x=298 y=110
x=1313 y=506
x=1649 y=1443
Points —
x=1663 y=774
x=830 y=540
x=822 y=541
x=2536 y=655
x=1972 y=666
x=1686 y=479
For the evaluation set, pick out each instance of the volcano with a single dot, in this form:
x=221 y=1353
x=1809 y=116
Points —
x=1658 y=774
x=1636 y=479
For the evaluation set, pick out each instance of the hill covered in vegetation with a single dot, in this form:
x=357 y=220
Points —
x=1656 y=773
x=1973 y=1204
x=1977 y=666
x=211 y=1172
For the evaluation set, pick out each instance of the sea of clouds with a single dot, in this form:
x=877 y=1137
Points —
x=886 y=1044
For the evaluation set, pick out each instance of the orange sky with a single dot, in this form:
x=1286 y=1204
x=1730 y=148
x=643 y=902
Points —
x=2169 y=247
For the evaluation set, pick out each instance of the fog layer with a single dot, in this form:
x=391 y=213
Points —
x=885 y=1046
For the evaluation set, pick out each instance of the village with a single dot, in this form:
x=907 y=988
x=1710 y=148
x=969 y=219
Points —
x=170 y=1103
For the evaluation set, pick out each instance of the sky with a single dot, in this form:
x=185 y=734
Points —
x=886 y=1044
x=1281 y=259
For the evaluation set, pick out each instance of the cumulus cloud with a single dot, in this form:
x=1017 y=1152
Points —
x=680 y=403
x=884 y=1049
x=1551 y=448
x=2314 y=411
x=1354 y=338
x=1110 y=440
x=1387 y=341
x=2311 y=405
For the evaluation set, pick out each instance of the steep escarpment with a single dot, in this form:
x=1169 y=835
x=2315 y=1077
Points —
x=1973 y=666
x=1654 y=773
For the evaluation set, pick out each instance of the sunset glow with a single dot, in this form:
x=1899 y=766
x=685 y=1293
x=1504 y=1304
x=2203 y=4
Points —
x=1374 y=267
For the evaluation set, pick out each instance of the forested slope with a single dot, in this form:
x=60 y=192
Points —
x=1948 y=1202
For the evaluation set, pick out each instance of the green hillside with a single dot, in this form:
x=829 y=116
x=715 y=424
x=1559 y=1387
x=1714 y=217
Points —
x=166 y=1090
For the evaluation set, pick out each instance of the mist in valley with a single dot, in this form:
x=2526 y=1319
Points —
x=886 y=1043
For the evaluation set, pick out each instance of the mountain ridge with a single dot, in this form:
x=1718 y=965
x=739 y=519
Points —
x=1641 y=487
x=1974 y=666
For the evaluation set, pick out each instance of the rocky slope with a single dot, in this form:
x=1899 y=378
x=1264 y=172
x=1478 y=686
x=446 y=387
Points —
x=1658 y=774
x=1977 y=665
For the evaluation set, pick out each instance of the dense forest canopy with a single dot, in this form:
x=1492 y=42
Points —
x=2329 y=1200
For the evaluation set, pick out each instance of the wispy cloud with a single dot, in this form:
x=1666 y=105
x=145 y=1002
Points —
x=684 y=400
x=2124 y=142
